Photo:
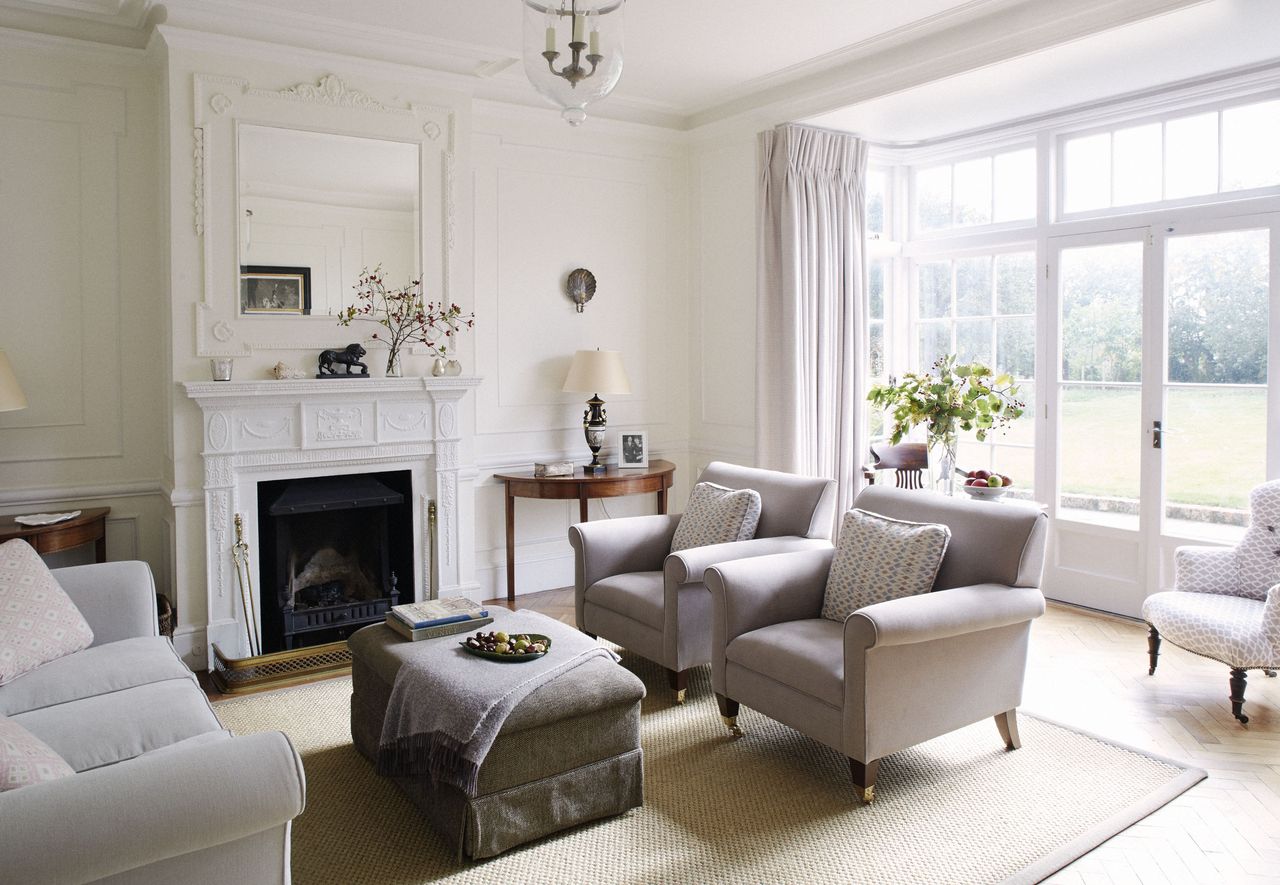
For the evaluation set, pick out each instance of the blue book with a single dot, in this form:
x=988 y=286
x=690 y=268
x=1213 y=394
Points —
x=433 y=612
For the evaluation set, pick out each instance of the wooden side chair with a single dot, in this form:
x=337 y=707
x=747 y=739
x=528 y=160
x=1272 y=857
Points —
x=909 y=461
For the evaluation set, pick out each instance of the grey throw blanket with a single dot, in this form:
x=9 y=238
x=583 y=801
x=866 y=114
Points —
x=447 y=706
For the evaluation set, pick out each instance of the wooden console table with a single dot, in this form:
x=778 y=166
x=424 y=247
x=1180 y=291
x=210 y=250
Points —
x=613 y=484
x=90 y=525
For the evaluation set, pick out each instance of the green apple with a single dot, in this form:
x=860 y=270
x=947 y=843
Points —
x=994 y=482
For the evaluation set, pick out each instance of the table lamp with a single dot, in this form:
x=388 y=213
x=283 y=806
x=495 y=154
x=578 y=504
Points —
x=11 y=396
x=596 y=372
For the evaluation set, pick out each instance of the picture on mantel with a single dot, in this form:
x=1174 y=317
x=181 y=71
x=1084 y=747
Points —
x=275 y=290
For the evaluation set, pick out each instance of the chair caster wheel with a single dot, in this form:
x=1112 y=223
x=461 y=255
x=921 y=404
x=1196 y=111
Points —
x=1244 y=720
x=731 y=722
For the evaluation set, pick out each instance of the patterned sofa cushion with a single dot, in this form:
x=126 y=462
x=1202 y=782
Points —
x=25 y=759
x=717 y=515
x=38 y=621
x=878 y=559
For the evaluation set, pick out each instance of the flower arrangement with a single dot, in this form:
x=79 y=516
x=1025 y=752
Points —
x=967 y=396
x=407 y=318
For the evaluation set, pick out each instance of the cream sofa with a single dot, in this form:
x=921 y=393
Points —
x=162 y=793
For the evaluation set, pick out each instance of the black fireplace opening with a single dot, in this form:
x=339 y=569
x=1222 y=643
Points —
x=334 y=553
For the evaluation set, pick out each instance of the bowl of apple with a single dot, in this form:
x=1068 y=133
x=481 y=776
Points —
x=984 y=484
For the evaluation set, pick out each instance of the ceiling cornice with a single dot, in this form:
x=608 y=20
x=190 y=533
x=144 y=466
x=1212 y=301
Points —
x=909 y=57
x=976 y=34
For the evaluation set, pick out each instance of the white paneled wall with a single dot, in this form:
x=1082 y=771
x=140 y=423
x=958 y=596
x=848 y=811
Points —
x=722 y=331
x=82 y=316
x=102 y=273
x=548 y=200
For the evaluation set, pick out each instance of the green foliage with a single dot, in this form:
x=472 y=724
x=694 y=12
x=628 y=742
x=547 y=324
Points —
x=965 y=396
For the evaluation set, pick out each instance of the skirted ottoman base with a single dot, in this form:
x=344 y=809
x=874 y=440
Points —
x=568 y=753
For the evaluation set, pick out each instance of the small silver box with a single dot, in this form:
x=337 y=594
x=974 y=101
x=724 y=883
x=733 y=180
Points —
x=555 y=468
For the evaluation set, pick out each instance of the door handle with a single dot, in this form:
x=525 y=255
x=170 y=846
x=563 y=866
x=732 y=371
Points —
x=1157 y=434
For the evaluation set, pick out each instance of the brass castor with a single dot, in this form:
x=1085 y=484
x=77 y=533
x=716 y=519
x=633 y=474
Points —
x=731 y=722
x=680 y=695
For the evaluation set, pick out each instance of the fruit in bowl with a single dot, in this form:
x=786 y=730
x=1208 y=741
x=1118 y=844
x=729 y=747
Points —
x=985 y=484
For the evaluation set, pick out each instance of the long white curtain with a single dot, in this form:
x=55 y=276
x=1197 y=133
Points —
x=811 y=305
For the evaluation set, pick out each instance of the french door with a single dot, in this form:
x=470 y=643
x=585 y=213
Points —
x=1156 y=398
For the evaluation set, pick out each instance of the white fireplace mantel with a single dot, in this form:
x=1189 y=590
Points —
x=256 y=431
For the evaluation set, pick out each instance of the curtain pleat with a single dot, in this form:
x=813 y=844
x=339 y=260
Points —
x=811 y=304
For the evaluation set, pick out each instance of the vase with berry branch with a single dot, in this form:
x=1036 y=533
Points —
x=407 y=318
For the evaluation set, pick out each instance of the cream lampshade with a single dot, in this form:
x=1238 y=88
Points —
x=596 y=372
x=11 y=396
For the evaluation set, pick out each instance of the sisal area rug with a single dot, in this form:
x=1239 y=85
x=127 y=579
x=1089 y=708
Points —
x=772 y=806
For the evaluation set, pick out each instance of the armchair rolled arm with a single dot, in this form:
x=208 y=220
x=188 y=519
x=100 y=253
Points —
x=748 y=594
x=687 y=566
x=117 y=599
x=939 y=615
x=1205 y=570
x=620 y=546
x=120 y=817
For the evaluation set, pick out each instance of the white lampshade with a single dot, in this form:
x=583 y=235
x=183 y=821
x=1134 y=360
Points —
x=597 y=371
x=11 y=396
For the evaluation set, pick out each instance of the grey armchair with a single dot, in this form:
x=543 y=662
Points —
x=630 y=589
x=895 y=673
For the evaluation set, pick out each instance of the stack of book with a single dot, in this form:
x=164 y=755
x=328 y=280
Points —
x=437 y=617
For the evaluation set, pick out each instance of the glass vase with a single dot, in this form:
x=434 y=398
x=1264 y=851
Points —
x=393 y=364
x=944 y=443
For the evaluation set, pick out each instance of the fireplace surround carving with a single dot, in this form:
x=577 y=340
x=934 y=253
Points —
x=258 y=431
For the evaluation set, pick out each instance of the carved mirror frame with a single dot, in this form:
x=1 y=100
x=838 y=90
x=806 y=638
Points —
x=222 y=105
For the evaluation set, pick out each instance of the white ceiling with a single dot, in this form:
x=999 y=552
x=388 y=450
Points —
x=680 y=54
x=1189 y=43
x=698 y=61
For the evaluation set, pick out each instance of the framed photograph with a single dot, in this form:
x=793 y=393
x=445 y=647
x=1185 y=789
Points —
x=275 y=290
x=633 y=449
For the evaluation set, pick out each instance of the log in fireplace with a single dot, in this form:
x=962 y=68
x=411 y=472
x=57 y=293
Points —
x=335 y=553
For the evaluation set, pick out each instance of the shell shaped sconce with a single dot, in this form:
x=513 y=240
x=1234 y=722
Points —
x=581 y=286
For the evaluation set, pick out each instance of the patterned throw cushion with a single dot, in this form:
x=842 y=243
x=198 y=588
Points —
x=25 y=759
x=717 y=515
x=878 y=559
x=38 y=621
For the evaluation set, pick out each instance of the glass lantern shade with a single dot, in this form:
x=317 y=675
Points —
x=573 y=52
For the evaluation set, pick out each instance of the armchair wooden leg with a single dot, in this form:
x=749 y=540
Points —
x=1153 y=649
x=679 y=682
x=1237 y=694
x=1007 y=722
x=864 y=777
x=729 y=714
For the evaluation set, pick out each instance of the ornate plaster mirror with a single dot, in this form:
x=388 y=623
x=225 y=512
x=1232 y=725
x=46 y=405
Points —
x=316 y=208
x=297 y=189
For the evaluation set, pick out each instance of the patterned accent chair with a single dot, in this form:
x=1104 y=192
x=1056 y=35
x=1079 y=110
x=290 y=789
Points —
x=631 y=589
x=893 y=674
x=1225 y=604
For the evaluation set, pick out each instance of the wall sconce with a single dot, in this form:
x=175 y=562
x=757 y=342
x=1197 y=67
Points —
x=581 y=286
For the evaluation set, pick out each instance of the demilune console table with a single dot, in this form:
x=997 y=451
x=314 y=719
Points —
x=89 y=527
x=615 y=483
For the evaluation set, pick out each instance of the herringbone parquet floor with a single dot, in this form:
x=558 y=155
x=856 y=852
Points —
x=1090 y=671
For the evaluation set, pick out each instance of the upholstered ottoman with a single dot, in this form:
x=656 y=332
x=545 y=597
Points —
x=567 y=754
